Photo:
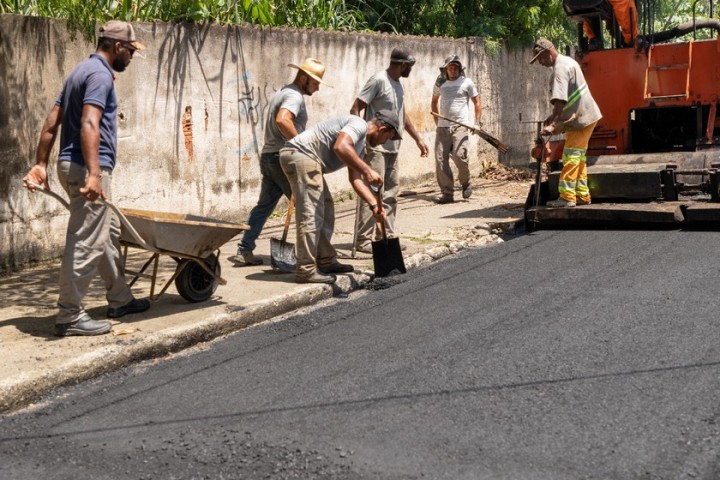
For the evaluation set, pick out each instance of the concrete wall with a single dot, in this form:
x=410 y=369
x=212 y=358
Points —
x=226 y=75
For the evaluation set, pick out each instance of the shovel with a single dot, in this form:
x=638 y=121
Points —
x=387 y=254
x=282 y=253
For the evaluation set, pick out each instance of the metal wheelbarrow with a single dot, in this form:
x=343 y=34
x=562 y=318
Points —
x=192 y=241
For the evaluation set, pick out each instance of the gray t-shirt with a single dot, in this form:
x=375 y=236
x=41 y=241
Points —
x=383 y=93
x=454 y=96
x=290 y=98
x=318 y=141
x=567 y=83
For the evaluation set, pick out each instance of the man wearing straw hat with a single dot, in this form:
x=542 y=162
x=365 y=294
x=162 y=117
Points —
x=287 y=117
x=87 y=110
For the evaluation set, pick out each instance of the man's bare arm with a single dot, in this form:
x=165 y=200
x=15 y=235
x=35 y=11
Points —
x=357 y=107
x=285 y=122
x=90 y=146
x=410 y=128
x=38 y=173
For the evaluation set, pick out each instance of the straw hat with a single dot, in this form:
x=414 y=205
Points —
x=313 y=67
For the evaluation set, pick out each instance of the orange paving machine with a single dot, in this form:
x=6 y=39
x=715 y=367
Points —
x=654 y=158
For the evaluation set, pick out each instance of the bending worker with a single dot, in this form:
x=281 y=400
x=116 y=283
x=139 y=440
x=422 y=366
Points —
x=326 y=148
x=574 y=112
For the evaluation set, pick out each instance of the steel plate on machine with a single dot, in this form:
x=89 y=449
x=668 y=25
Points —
x=703 y=214
x=609 y=214
x=620 y=181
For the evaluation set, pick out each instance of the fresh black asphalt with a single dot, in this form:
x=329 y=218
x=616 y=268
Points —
x=556 y=355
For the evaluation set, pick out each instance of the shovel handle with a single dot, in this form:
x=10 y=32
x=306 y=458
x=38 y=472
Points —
x=383 y=231
x=288 y=216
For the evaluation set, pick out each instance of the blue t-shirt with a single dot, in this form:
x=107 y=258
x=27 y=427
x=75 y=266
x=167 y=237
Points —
x=91 y=82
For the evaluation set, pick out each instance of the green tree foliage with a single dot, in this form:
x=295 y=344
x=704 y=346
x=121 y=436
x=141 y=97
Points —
x=515 y=22
x=656 y=16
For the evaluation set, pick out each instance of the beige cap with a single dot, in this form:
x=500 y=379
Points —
x=313 y=67
x=540 y=46
x=121 y=31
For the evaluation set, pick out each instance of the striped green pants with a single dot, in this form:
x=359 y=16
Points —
x=573 y=185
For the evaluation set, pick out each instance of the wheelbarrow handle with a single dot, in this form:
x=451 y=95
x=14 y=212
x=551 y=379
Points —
x=127 y=225
x=125 y=222
x=49 y=193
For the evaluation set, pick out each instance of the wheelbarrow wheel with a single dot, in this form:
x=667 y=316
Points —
x=194 y=284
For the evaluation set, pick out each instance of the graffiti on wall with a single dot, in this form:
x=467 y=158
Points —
x=253 y=107
x=253 y=104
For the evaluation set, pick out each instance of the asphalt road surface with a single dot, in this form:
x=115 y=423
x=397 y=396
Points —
x=557 y=355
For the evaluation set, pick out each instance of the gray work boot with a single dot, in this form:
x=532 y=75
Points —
x=133 y=306
x=316 y=277
x=467 y=191
x=86 y=326
x=245 y=258
x=560 y=203
x=336 y=267
x=365 y=248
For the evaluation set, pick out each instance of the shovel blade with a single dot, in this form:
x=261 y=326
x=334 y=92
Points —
x=282 y=256
x=387 y=257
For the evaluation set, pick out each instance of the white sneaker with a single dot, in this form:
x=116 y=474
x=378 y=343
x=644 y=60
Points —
x=560 y=203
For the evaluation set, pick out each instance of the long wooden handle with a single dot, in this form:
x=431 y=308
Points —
x=478 y=131
x=291 y=207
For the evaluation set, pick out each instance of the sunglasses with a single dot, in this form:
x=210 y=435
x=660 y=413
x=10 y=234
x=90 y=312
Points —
x=129 y=48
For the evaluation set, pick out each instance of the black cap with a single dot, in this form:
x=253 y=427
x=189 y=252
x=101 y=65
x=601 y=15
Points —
x=390 y=118
x=401 y=55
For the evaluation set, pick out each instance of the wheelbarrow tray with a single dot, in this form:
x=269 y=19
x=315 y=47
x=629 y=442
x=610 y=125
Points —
x=189 y=239
x=185 y=234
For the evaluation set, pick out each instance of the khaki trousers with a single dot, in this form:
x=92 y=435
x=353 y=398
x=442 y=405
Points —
x=314 y=212
x=386 y=165
x=451 y=142
x=92 y=246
